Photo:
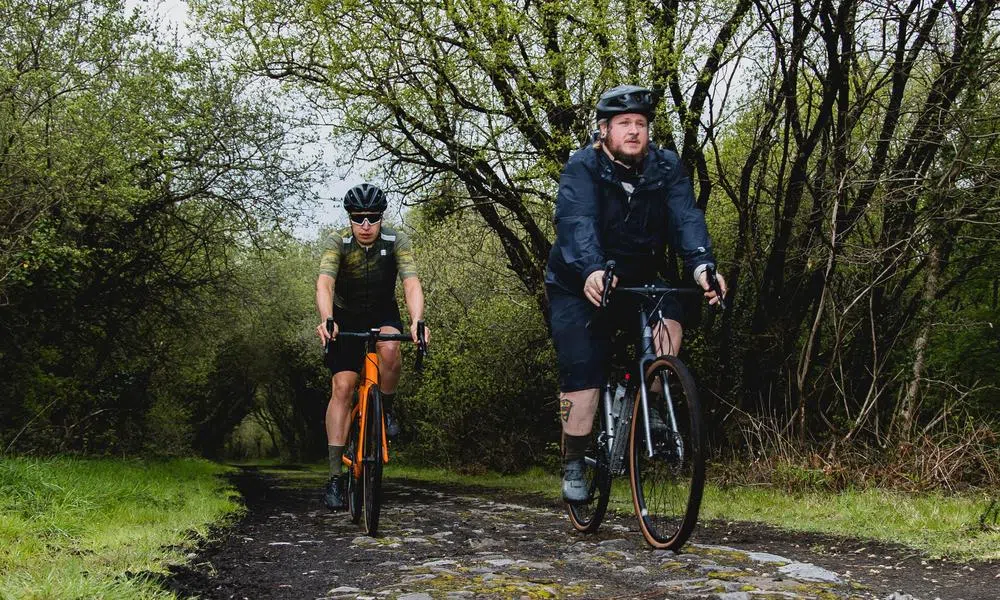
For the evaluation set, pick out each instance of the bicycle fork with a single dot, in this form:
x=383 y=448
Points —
x=674 y=430
x=648 y=357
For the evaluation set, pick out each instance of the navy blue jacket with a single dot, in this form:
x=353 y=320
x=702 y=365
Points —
x=596 y=220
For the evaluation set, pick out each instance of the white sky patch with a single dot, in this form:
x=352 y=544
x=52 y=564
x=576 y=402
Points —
x=172 y=19
x=170 y=15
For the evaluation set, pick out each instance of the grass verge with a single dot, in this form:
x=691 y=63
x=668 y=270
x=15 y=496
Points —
x=85 y=528
x=942 y=525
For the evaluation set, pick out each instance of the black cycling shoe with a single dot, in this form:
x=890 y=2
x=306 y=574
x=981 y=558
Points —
x=335 y=494
x=391 y=426
x=656 y=422
x=574 y=482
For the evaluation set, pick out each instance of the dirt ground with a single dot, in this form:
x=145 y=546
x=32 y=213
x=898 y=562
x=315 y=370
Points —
x=455 y=542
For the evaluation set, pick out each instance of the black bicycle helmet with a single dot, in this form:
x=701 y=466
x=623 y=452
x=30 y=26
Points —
x=626 y=99
x=365 y=197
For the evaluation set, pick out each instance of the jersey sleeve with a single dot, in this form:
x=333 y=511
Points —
x=406 y=264
x=578 y=243
x=332 y=251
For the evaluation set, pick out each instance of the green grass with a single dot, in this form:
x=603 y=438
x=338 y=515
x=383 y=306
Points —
x=940 y=525
x=75 y=528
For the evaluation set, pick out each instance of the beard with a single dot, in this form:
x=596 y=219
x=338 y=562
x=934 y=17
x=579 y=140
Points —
x=624 y=156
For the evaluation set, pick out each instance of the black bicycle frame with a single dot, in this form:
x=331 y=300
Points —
x=646 y=352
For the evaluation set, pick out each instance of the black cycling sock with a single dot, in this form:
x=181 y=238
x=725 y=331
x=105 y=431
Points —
x=335 y=454
x=387 y=401
x=574 y=446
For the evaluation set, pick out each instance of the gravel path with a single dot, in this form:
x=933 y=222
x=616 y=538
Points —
x=452 y=543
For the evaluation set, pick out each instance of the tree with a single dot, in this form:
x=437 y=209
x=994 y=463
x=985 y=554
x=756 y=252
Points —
x=819 y=135
x=476 y=104
x=132 y=175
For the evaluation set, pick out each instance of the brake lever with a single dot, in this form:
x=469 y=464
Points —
x=713 y=282
x=609 y=276
x=328 y=346
x=421 y=347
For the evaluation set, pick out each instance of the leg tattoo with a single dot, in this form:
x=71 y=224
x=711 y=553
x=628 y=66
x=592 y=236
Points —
x=565 y=405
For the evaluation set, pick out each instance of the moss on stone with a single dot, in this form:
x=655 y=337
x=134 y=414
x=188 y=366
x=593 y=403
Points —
x=728 y=575
x=499 y=586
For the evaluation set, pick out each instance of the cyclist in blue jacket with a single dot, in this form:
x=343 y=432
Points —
x=621 y=198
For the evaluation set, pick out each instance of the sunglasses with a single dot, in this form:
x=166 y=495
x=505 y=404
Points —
x=362 y=218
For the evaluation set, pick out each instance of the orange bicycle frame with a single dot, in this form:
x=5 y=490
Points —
x=369 y=378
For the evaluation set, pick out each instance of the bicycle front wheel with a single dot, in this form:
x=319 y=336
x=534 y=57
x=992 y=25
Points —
x=587 y=516
x=667 y=486
x=354 y=484
x=372 y=461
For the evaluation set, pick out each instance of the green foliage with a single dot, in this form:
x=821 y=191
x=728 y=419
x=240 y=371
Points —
x=487 y=397
x=265 y=358
x=137 y=179
x=251 y=440
x=796 y=477
x=941 y=524
x=149 y=302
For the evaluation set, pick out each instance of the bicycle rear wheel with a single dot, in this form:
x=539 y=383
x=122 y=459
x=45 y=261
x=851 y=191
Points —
x=667 y=487
x=372 y=463
x=587 y=516
x=354 y=484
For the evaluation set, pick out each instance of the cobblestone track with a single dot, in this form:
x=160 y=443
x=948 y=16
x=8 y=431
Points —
x=438 y=545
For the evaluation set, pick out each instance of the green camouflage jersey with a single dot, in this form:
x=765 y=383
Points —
x=366 y=277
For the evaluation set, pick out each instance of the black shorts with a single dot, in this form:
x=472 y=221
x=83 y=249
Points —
x=584 y=353
x=347 y=354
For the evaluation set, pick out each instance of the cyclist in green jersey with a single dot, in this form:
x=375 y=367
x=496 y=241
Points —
x=357 y=287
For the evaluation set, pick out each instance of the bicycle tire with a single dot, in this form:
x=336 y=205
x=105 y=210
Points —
x=371 y=465
x=586 y=517
x=667 y=487
x=354 y=484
